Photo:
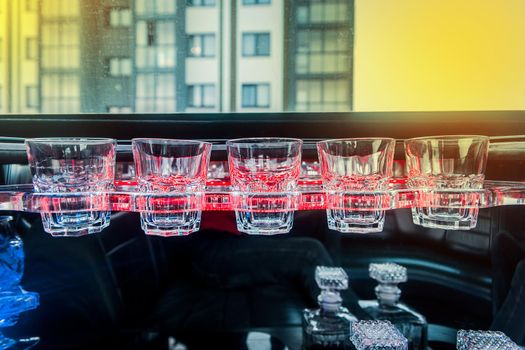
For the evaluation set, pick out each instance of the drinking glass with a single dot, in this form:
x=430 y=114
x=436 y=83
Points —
x=444 y=169
x=352 y=169
x=264 y=174
x=65 y=166
x=173 y=173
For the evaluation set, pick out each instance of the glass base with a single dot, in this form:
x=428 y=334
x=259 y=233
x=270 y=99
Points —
x=347 y=221
x=327 y=330
x=169 y=225
x=459 y=219
x=75 y=224
x=264 y=223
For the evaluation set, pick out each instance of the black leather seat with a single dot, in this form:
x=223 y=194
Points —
x=120 y=284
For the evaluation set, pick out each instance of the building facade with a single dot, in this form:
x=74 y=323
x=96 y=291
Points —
x=159 y=56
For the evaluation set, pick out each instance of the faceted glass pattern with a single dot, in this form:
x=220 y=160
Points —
x=388 y=272
x=484 y=340
x=174 y=173
x=387 y=306
x=264 y=173
x=328 y=327
x=377 y=335
x=69 y=165
x=446 y=164
x=333 y=278
x=350 y=167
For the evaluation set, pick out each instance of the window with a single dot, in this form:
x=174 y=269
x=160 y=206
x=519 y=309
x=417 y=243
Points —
x=118 y=109
x=32 y=97
x=1 y=48
x=201 y=96
x=326 y=11
x=60 y=45
x=256 y=44
x=322 y=51
x=119 y=66
x=163 y=7
x=155 y=92
x=322 y=95
x=31 y=49
x=200 y=2
x=119 y=17
x=1 y=97
x=256 y=95
x=201 y=45
x=256 y=2
x=155 y=44
x=60 y=9
x=31 y=5
x=60 y=93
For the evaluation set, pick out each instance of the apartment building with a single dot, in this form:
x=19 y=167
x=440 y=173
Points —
x=158 y=56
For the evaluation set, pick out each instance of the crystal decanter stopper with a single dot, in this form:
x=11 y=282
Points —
x=387 y=306
x=377 y=335
x=13 y=299
x=484 y=340
x=328 y=327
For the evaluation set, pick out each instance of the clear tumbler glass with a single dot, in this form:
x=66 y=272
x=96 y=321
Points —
x=352 y=169
x=69 y=165
x=445 y=168
x=264 y=174
x=174 y=173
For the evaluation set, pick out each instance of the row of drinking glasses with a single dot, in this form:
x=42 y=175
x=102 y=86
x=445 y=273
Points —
x=264 y=175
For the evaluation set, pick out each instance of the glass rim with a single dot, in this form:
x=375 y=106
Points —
x=448 y=138
x=70 y=140
x=264 y=141
x=166 y=141
x=350 y=139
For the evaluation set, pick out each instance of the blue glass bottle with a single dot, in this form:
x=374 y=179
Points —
x=13 y=299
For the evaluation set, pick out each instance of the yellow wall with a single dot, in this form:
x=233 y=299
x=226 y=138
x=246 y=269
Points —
x=22 y=24
x=439 y=55
x=3 y=58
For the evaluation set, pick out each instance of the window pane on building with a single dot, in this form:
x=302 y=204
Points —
x=263 y=95
x=248 y=44
x=120 y=17
x=208 y=45
x=209 y=96
x=263 y=44
x=249 y=96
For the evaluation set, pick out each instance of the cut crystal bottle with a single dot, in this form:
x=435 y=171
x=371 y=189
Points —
x=484 y=340
x=387 y=306
x=328 y=327
x=377 y=335
x=13 y=299
x=11 y=255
